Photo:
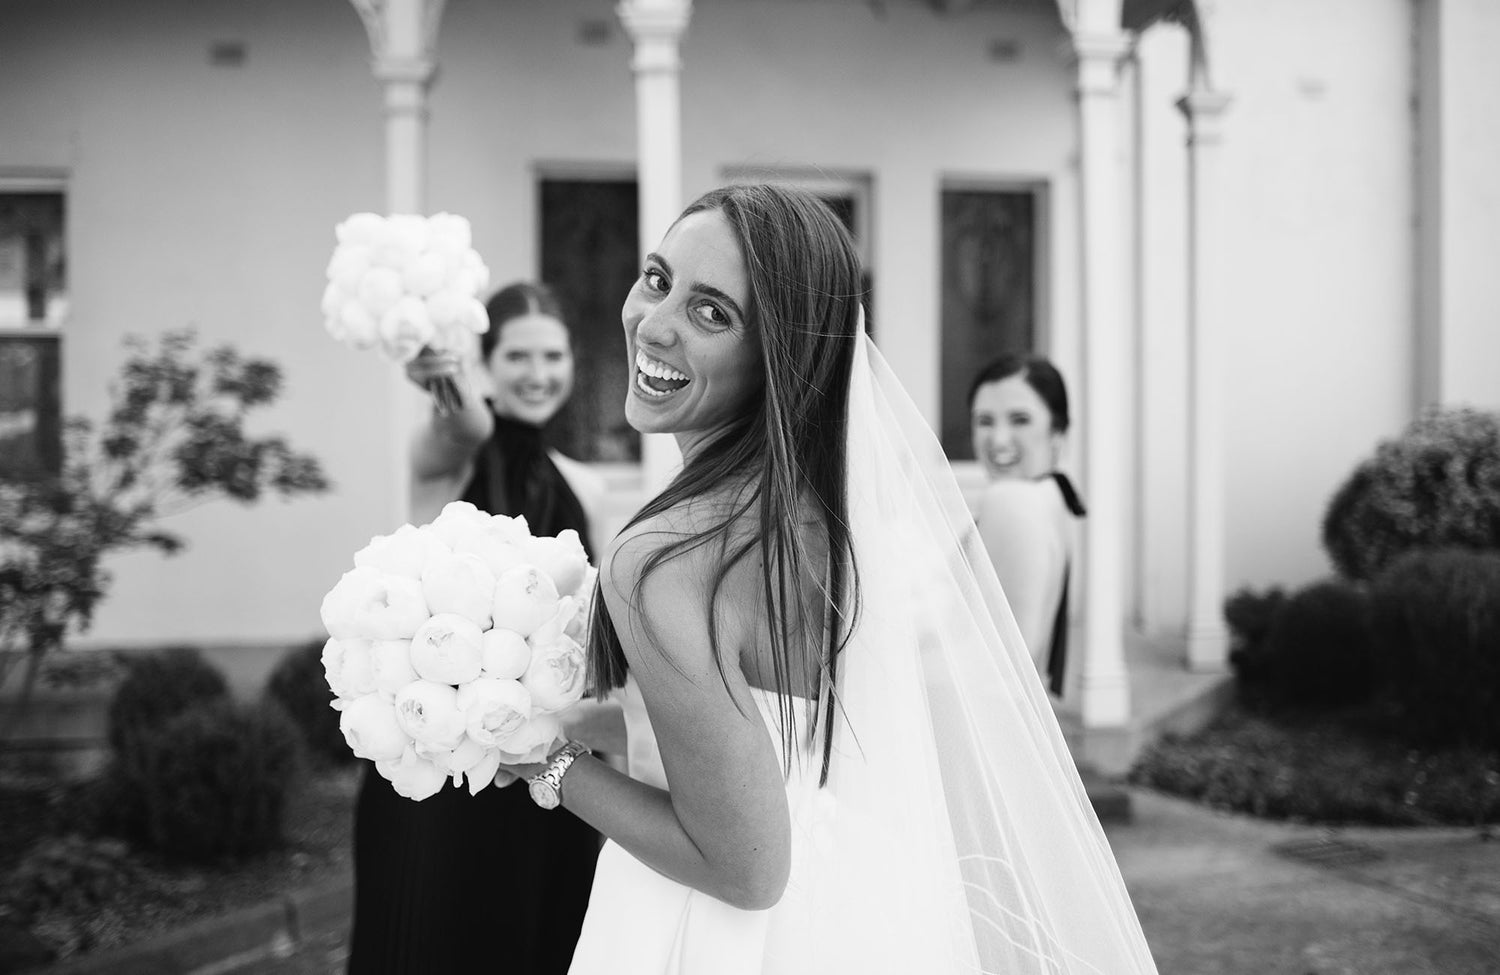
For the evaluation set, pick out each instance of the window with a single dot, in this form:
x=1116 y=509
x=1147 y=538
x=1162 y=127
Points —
x=33 y=303
x=989 y=292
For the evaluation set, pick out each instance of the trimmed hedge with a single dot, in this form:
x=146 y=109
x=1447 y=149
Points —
x=1314 y=648
x=1438 y=625
x=1437 y=485
x=159 y=686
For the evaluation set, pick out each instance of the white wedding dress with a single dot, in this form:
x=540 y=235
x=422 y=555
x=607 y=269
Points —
x=953 y=836
x=641 y=923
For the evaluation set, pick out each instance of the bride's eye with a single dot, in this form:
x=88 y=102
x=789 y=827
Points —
x=654 y=280
x=713 y=314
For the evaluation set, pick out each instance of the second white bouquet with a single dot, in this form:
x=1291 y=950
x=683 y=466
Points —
x=453 y=647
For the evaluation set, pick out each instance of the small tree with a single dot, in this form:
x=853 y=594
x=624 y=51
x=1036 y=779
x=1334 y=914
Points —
x=174 y=439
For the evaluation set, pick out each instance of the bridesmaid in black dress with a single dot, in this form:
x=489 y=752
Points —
x=488 y=883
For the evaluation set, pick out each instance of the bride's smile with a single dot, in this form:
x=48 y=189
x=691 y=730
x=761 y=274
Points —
x=694 y=353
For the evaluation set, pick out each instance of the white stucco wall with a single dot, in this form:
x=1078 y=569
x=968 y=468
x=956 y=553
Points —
x=203 y=195
x=1316 y=161
x=206 y=195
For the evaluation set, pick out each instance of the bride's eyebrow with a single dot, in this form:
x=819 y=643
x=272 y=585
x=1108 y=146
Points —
x=720 y=296
x=699 y=286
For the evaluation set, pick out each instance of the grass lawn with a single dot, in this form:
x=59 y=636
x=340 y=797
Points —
x=110 y=896
x=1340 y=767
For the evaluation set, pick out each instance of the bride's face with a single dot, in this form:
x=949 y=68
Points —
x=695 y=362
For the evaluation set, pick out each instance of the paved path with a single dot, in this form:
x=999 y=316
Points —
x=1222 y=895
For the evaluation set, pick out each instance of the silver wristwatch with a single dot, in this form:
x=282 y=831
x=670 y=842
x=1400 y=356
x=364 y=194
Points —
x=546 y=785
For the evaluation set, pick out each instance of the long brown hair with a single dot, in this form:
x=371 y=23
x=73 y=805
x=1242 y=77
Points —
x=786 y=450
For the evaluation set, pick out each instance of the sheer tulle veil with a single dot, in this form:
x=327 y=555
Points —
x=954 y=835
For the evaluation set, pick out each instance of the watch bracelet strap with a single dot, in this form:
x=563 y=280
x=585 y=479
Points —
x=559 y=763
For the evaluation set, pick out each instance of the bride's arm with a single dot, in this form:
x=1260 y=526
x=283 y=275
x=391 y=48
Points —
x=724 y=827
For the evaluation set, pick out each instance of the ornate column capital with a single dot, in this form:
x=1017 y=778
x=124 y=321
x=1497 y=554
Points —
x=401 y=30
x=1098 y=58
x=656 y=27
x=1204 y=111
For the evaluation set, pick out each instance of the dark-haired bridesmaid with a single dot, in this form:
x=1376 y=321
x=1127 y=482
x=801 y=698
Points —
x=437 y=880
x=1028 y=511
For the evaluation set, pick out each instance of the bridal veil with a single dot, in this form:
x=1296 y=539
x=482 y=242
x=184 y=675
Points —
x=954 y=835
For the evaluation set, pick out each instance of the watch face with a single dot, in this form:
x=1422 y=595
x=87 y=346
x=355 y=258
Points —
x=544 y=795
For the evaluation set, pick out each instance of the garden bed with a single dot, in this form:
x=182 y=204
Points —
x=1336 y=767
x=161 y=895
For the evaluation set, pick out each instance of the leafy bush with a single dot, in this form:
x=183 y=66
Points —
x=70 y=873
x=1334 y=769
x=157 y=687
x=1437 y=485
x=1438 y=620
x=175 y=437
x=1317 y=649
x=298 y=684
x=212 y=782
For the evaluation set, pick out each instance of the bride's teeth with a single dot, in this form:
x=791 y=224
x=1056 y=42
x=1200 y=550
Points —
x=659 y=370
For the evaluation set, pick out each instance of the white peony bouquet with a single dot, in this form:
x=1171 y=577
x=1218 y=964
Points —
x=406 y=284
x=453 y=647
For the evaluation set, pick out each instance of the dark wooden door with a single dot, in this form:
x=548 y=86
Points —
x=988 y=294
x=589 y=254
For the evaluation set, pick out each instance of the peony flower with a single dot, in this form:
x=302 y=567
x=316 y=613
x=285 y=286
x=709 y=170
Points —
x=347 y=267
x=456 y=521
x=563 y=558
x=532 y=741
x=455 y=761
x=485 y=771
x=405 y=329
x=428 y=712
x=459 y=583
x=357 y=326
x=424 y=275
x=391 y=666
x=578 y=626
x=349 y=667
x=334 y=300
x=361 y=228
x=475 y=263
x=447 y=308
x=371 y=604
x=474 y=317
x=413 y=776
x=450 y=230
x=404 y=552
x=557 y=674
x=446 y=649
x=504 y=654
x=400 y=241
x=379 y=289
x=370 y=727
x=493 y=709
x=491 y=547
x=525 y=598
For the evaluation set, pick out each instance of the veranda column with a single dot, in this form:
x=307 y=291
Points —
x=656 y=27
x=1207 y=636
x=403 y=34
x=1104 y=693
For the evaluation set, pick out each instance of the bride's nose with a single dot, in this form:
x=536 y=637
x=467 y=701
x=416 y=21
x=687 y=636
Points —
x=657 y=328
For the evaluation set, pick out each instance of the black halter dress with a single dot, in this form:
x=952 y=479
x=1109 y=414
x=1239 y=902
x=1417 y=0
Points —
x=488 y=883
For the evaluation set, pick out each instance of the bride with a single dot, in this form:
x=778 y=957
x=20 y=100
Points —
x=841 y=759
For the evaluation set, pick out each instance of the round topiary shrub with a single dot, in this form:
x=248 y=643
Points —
x=1317 y=650
x=159 y=686
x=1438 y=625
x=298 y=684
x=212 y=782
x=1437 y=485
